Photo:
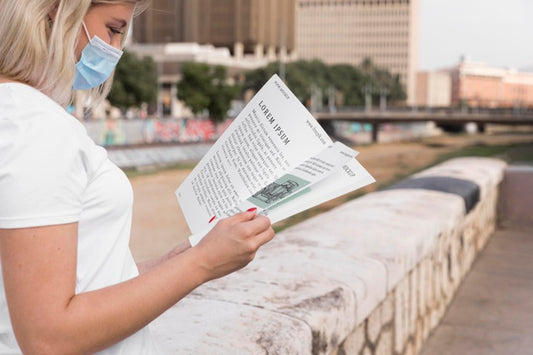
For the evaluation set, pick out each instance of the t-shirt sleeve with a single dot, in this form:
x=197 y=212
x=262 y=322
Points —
x=42 y=173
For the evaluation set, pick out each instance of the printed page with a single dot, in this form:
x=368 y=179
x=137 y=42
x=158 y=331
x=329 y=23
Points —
x=304 y=176
x=271 y=136
x=348 y=178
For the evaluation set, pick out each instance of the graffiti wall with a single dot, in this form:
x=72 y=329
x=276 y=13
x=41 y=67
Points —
x=131 y=132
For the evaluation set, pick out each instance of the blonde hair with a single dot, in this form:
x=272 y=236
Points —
x=40 y=52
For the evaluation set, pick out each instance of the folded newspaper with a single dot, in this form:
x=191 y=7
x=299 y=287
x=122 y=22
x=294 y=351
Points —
x=274 y=156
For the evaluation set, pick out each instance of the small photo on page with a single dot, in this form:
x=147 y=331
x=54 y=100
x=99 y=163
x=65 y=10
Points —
x=277 y=191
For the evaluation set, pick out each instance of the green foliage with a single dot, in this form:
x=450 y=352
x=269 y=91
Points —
x=379 y=79
x=205 y=88
x=349 y=81
x=135 y=82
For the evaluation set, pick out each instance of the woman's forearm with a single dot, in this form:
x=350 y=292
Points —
x=144 y=266
x=109 y=315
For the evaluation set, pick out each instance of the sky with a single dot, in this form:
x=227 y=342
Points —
x=496 y=32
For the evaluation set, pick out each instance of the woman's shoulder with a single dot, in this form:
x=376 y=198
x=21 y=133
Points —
x=24 y=109
x=17 y=99
x=14 y=93
x=33 y=124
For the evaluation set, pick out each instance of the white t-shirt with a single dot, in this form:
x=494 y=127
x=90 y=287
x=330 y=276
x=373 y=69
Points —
x=51 y=173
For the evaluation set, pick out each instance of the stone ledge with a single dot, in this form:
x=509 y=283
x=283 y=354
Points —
x=385 y=265
x=485 y=172
x=196 y=326
x=468 y=190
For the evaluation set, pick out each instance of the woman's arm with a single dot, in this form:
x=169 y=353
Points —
x=144 y=266
x=39 y=269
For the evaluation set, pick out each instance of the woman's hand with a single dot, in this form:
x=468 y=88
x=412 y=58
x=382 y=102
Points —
x=232 y=244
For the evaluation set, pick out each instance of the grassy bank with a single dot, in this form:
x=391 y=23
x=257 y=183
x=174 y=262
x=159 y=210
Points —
x=512 y=154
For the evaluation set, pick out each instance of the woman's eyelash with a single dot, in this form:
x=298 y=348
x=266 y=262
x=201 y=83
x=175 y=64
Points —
x=116 y=31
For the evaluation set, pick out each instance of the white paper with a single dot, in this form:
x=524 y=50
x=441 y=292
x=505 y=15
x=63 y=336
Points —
x=273 y=134
x=350 y=177
x=274 y=156
x=304 y=176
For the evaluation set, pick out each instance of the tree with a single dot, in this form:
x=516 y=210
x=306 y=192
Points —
x=348 y=80
x=203 y=87
x=135 y=82
x=380 y=79
x=300 y=76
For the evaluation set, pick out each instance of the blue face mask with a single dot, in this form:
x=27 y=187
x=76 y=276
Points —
x=98 y=60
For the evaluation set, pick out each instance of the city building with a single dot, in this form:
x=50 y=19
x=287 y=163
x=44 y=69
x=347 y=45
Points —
x=475 y=84
x=241 y=35
x=247 y=34
x=258 y=27
x=169 y=58
x=349 y=31
x=433 y=89
x=480 y=85
x=334 y=31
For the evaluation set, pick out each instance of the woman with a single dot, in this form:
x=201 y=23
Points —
x=69 y=282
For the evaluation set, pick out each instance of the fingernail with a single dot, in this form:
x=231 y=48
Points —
x=251 y=209
x=212 y=219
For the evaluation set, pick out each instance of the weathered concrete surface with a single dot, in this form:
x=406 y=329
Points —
x=468 y=190
x=479 y=170
x=208 y=327
x=393 y=229
x=374 y=276
x=491 y=313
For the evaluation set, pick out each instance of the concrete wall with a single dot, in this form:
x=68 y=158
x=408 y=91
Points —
x=372 y=276
x=516 y=200
x=117 y=133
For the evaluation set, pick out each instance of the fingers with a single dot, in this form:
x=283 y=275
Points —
x=243 y=216
x=250 y=226
x=264 y=237
x=255 y=226
x=250 y=221
x=233 y=243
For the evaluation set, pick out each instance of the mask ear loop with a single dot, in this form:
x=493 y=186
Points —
x=86 y=31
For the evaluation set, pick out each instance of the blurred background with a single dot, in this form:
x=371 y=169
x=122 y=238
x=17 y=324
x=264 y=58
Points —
x=191 y=64
x=406 y=82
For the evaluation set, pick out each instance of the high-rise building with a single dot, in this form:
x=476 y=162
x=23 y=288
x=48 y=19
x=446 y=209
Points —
x=349 y=31
x=259 y=27
x=334 y=31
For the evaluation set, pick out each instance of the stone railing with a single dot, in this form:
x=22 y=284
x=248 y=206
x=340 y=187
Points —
x=372 y=276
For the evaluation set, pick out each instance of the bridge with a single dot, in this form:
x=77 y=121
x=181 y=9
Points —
x=443 y=117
